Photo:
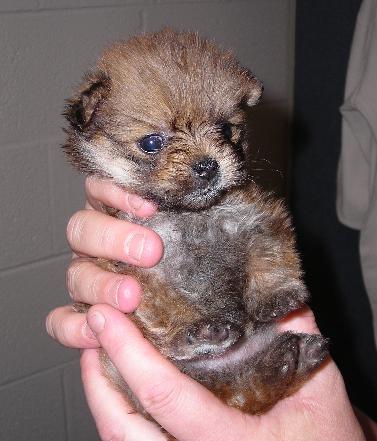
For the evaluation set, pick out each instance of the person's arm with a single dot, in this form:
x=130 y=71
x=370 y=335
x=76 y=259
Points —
x=319 y=410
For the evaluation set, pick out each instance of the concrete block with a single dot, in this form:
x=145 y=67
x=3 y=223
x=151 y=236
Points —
x=259 y=32
x=67 y=195
x=17 y=5
x=59 y=4
x=80 y=422
x=27 y=294
x=25 y=222
x=45 y=54
x=33 y=409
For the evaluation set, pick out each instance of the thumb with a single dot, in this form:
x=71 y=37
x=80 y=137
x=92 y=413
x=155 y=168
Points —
x=176 y=401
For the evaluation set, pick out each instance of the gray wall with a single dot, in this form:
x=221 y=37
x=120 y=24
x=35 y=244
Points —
x=45 y=45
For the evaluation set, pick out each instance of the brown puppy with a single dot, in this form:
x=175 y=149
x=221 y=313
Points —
x=162 y=115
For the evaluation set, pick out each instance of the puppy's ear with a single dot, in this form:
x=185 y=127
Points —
x=81 y=108
x=254 y=90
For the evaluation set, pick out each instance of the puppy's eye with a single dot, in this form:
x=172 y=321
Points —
x=226 y=130
x=151 y=143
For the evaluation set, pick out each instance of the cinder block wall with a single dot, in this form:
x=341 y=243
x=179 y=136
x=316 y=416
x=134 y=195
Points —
x=45 y=45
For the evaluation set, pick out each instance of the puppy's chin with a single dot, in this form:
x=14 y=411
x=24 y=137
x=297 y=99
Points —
x=201 y=199
x=198 y=200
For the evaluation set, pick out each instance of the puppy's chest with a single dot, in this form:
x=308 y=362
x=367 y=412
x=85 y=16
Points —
x=205 y=252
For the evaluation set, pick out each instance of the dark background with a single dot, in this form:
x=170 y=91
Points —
x=324 y=31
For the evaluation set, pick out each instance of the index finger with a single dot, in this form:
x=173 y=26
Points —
x=97 y=234
x=101 y=191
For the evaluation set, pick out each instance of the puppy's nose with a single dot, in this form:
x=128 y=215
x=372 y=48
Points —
x=206 y=169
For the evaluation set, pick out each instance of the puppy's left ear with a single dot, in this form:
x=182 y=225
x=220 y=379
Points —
x=254 y=90
x=81 y=108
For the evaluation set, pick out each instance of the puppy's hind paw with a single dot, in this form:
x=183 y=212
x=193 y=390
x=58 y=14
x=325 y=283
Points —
x=313 y=351
x=279 y=363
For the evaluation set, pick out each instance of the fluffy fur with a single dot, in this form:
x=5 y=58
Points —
x=230 y=268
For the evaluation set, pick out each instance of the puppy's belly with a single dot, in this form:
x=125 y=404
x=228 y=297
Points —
x=199 y=311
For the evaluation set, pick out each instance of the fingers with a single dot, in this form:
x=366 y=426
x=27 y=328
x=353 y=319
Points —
x=96 y=234
x=88 y=283
x=70 y=328
x=114 y=416
x=176 y=401
x=104 y=191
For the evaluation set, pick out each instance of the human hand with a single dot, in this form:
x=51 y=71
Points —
x=320 y=410
x=92 y=233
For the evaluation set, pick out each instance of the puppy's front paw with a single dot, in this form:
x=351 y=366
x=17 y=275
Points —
x=279 y=305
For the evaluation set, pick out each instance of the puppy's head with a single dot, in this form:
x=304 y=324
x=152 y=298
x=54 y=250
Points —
x=163 y=116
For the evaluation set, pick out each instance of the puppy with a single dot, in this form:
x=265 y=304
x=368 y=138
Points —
x=163 y=116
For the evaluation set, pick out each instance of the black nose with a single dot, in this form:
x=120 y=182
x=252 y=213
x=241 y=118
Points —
x=206 y=169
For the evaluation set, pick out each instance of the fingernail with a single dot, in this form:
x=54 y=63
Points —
x=88 y=332
x=136 y=202
x=96 y=322
x=123 y=296
x=134 y=246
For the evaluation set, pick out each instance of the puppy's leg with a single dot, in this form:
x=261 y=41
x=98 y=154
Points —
x=273 y=273
x=277 y=372
x=274 y=287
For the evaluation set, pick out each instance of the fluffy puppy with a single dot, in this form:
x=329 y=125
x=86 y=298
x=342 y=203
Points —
x=163 y=116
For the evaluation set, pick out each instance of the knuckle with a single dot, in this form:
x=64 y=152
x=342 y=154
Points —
x=56 y=327
x=115 y=193
x=63 y=333
x=91 y=185
x=49 y=324
x=160 y=398
x=73 y=273
x=75 y=228
x=97 y=287
x=107 y=238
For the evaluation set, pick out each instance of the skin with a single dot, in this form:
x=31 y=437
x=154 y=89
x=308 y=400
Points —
x=319 y=410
